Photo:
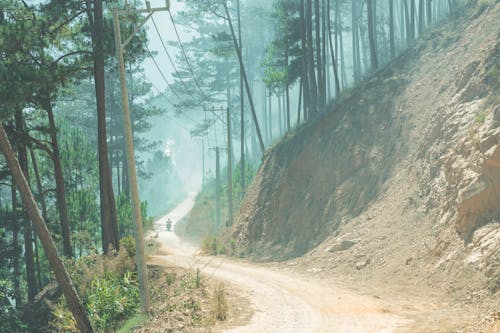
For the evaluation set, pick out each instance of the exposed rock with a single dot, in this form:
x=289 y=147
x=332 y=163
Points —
x=485 y=246
x=362 y=263
x=39 y=313
x=341 y=245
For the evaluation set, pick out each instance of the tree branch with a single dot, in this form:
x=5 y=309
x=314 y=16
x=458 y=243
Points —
x=38 y=143
x=69 y=55
x=71 y=18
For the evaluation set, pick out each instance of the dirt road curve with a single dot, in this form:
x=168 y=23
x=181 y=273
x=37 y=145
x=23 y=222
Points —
x=280 y=301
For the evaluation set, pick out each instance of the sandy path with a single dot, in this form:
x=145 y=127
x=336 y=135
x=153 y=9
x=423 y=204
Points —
x=280 y=301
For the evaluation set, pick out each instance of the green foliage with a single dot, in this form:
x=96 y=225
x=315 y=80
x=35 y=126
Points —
x=128 y=243
x=10 y=320
x=249 y=176
x=126 y=217
x=480 y=118
x=134 y=322
x=112 y=299
x=484 y=4
x=170 y=278
x=210 y=245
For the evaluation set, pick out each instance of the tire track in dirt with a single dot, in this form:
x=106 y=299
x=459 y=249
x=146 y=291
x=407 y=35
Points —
x=279 y=301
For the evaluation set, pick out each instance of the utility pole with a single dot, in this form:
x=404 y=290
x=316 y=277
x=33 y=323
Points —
x=229 y=161
x=203 y=161
x=217 y=189
x=242 y=107
x=229 y=170
x=140 y=257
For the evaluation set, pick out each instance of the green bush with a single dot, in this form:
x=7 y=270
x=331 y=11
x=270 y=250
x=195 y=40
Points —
x=9 y=317
x=210 y=245
x=112 y=299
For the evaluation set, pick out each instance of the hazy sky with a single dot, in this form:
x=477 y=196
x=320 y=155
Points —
x=166 y=29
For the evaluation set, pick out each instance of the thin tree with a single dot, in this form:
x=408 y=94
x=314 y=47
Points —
x=391 y=28
x=245 y=79
x=60 y=272
x=109 y=223
x=372 y=35
x=28 y=237
x=334 y=61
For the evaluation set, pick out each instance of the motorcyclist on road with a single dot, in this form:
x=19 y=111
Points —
x=169 y=224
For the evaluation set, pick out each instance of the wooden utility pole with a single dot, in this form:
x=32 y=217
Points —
x=242 y=106
x=229 y=161
x=217 y=189
x=230 y=170
x=203 y=161
x=140 y=257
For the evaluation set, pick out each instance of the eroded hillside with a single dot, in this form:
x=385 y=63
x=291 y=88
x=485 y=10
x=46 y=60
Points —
x=401 y=176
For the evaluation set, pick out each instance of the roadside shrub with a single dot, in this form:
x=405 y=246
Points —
x=110 y=296
x=210 y=245
x=483 y=4
x=112 y=299
x=219 y=303
x=10 y=320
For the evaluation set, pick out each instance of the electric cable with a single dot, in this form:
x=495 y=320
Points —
x=185 y=55
x=172 y=61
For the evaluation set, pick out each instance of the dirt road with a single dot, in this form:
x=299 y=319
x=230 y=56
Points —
x=279 y=300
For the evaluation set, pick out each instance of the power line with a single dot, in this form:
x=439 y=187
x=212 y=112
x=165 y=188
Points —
x=163 y=76
x=162 y=93
x=185 y=55
x=171 y=60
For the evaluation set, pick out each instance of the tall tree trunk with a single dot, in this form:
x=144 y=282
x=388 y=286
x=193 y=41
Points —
x=304 y=56
x=109 y=223
x=319 y=58
x=15 y=248
x=313 y=86
x=270 y=114
x=301 y=91
x=429 y=12
x=324 y=46
x=355 y=42
x=421 y=23
x=280 y=112
x=407 y=21
x=334 y=61
x=341 y=49
x=412 y=19
x=372 y=36
x=61 y=274
x=38 y=180
x=41 y=199
x=287 y=96
x=391 y=29
x=264 y=115
x=60 y=187
x=28 y=234
x=247 y=86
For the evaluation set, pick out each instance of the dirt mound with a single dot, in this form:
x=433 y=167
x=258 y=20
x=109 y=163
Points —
x=405 y=169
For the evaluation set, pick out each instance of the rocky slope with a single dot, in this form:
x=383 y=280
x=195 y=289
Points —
x=401 y=177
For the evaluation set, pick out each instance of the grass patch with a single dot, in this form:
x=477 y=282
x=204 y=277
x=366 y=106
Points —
x=480 y=118
x=219 y=303
x=134 y=322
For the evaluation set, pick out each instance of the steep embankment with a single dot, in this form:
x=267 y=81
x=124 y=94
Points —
x=401 y=177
